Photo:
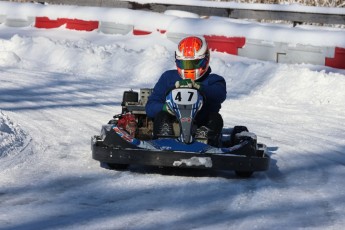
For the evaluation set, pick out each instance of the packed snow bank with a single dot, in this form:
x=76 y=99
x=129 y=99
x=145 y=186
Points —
x=12 y=138
x=83 y=57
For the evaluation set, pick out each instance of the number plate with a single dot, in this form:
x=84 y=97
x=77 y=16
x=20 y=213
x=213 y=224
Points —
x=185 y=96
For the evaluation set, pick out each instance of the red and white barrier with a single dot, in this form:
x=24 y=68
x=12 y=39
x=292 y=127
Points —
x=338 y=61
x=19 y=22
x=235 y=45
x=114 y=28
x=74 y=24
x=286 y=53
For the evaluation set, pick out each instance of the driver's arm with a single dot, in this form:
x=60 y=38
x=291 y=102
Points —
x=214 y=89
x=157 y=98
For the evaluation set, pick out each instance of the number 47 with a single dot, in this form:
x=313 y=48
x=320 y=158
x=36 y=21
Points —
x=179 y=97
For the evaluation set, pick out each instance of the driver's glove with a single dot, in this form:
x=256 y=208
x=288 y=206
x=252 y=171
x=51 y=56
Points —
x=196 y=85
x=187 y=83
x=167 y=109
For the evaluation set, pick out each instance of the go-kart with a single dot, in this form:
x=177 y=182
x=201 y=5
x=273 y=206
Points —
x=127 y=139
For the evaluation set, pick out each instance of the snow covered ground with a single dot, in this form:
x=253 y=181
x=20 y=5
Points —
x=58 y=87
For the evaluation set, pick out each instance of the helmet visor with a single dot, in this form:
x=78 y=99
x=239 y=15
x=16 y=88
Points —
x=191 y=64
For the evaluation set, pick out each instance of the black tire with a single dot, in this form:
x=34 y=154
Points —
x=117 y=166
x=244 y=174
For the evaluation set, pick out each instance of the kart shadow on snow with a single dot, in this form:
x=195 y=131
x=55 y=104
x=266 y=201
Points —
x=136 y=200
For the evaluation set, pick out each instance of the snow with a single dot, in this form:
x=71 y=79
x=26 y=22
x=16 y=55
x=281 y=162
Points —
x=59 y=86
x=12 y=137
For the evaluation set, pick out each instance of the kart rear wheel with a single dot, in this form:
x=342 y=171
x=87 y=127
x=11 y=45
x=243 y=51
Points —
x=244 y=174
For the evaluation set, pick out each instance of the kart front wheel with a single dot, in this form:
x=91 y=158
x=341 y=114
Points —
x=117 y=166
x=244 y=174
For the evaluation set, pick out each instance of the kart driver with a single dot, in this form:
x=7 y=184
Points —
x=192 y=59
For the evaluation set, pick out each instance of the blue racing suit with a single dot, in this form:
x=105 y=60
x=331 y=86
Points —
x=213 y=88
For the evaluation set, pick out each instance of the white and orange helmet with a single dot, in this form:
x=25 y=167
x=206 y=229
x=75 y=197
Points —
x=192 y=57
